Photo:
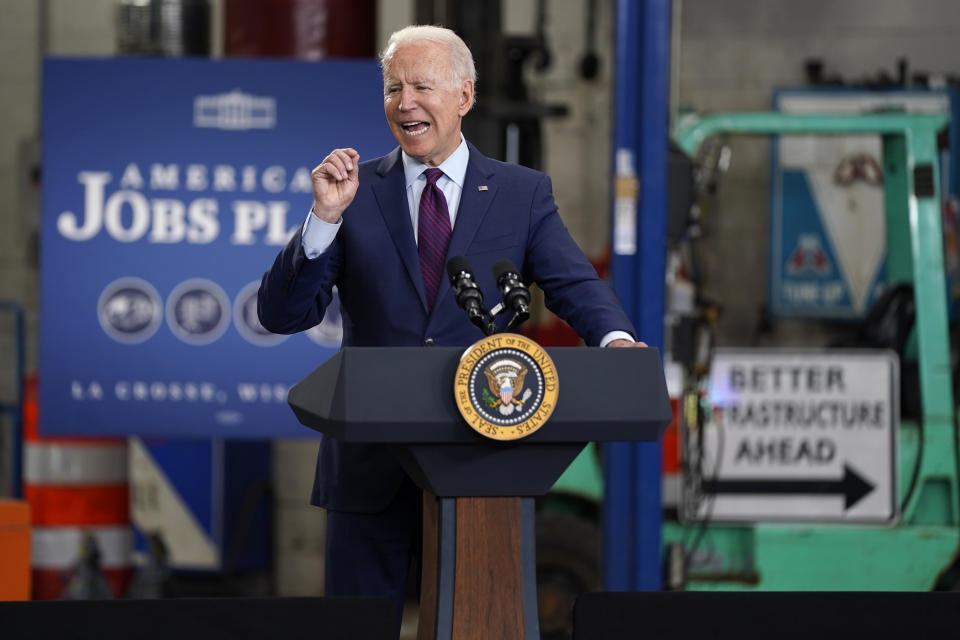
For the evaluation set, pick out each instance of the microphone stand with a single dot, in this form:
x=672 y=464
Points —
x=483 y=320
x=519 y=317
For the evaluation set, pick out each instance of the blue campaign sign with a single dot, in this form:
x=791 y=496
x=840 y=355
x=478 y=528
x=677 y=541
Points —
x=169 y=186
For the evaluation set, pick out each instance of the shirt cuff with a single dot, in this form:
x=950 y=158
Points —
x=317 y=235
x=616 y=335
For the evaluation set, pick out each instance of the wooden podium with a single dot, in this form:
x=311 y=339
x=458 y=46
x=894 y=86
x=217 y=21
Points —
x=479 y=562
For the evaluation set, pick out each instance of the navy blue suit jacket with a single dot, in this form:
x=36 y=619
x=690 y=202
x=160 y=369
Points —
x=506 y=211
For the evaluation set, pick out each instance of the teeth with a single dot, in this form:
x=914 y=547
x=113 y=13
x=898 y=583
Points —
x=413 y=128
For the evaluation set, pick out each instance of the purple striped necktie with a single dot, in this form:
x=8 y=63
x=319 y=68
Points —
x=433 y=235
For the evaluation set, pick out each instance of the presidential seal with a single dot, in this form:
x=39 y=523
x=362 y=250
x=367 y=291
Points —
x=505 y=386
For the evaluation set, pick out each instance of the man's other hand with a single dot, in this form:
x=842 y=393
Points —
x=335 y=182
x=626 y=343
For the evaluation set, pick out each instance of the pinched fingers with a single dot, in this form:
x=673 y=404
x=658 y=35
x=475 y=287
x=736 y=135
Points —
x=335 y=182
x=340 y=165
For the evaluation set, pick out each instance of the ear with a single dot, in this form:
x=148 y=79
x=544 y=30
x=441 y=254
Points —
x=466 y=97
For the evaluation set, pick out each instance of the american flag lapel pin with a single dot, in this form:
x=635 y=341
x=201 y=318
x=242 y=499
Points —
x=482 y=187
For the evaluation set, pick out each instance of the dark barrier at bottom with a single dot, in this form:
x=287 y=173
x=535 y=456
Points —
x=206 y=619
x=755 y=616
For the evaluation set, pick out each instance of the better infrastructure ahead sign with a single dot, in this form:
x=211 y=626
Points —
x=798 y=436
x=169 y=186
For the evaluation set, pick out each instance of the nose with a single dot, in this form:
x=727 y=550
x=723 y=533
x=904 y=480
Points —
x=407 y=99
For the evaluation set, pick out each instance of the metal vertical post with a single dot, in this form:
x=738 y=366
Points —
x=619 y=491
x=652 y=145
x=632 y=508
x=15 y=410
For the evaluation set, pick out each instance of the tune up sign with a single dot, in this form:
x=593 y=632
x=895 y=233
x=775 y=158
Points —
x=797 y=436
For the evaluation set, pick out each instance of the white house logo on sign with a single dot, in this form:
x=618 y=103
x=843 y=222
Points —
x=798 y=436
x=235 y=110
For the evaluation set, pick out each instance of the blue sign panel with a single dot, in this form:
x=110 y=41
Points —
x=169 y=186
x=828 y=228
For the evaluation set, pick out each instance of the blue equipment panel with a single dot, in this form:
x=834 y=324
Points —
x=209 y=501
x=827 y=227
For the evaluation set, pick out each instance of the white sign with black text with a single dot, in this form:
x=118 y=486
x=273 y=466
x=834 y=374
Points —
x=796 y=436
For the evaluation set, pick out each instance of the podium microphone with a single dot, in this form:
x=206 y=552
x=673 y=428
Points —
x=516 y=295
x=468 y=294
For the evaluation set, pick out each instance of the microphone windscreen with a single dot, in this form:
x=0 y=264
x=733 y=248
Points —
x=457 y=265
x=501 y=267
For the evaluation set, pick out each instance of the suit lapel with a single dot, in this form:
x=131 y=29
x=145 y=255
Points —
x=390 y=193
x=474 y=205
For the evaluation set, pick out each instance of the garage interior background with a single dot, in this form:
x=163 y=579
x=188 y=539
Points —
x=727 y=55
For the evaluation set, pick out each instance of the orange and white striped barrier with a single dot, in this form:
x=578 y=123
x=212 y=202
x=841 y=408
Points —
x=76 y=487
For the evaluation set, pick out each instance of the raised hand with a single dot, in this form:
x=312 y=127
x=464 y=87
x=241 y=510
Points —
x=335 y=182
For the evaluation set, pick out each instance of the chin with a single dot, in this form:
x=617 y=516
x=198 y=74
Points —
x=416 y=152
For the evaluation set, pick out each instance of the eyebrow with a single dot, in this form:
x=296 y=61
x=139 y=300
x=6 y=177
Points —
x=394 y=83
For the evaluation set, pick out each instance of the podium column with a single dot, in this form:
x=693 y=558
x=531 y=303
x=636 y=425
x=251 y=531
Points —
x=479 y=569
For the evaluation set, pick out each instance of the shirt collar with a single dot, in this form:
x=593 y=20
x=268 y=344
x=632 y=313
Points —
x=454 y=167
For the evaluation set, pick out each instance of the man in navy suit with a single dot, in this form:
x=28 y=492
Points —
x=362 y=237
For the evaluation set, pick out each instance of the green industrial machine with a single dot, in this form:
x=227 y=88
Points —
x=921 y=551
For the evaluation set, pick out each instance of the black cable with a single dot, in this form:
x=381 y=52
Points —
x=915 y=476
x=711 y=500
x=692 y=463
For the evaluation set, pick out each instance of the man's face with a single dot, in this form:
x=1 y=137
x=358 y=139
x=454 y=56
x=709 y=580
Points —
x=422 y=104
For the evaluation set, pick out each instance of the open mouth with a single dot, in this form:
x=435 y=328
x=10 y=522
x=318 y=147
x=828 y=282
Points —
x=414 y=128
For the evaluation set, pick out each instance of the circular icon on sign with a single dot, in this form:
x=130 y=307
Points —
x=129 y=310
x=246 y=320
x=198 y=311
x=329 y=333
x=505 y=386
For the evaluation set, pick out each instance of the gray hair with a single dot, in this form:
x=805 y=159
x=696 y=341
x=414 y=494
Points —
x=462 y=66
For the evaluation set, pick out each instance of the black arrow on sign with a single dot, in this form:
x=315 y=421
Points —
x=852 y=486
